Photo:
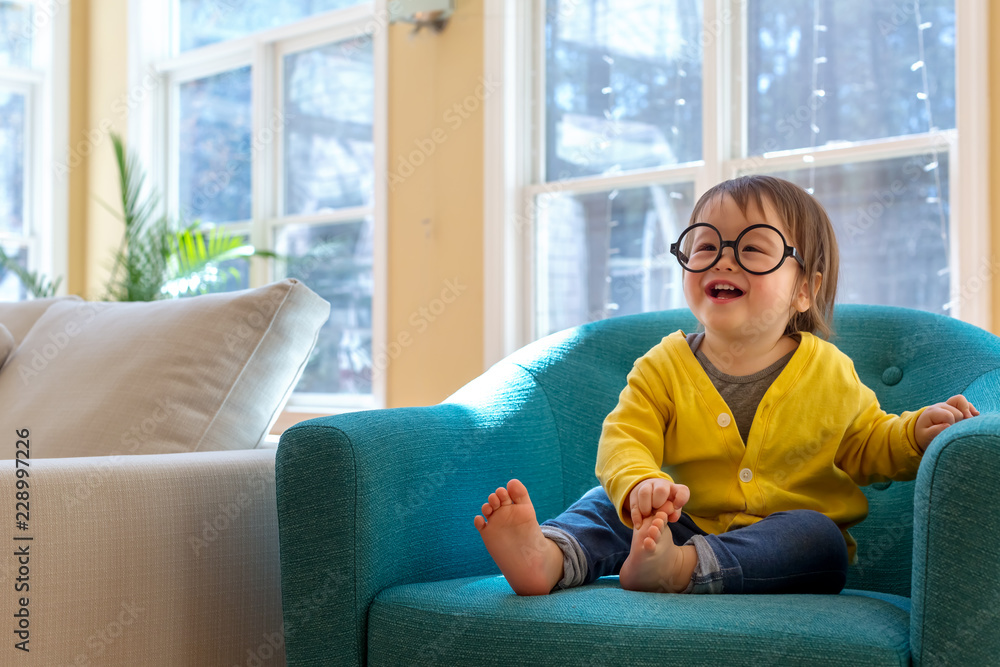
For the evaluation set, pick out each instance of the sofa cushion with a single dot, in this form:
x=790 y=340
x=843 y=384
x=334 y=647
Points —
x=204 y=373
x=20 y=316
x=478 y=620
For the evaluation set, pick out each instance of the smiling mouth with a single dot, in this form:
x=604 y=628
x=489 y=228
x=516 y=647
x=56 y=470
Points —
x=724 y=292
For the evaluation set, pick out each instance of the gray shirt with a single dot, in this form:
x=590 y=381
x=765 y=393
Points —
x=742 y=393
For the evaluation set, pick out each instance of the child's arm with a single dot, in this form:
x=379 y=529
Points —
x=630 y=452
x=940 y=416
x=878 y=446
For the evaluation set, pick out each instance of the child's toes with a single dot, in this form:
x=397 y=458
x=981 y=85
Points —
x=503 y=496
x=517 y=491
x=493 y=501
x=487 y=509
x=480 y=522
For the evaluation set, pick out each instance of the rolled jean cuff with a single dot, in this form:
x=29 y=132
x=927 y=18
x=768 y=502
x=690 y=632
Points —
x=707 y=576
x=574 y=558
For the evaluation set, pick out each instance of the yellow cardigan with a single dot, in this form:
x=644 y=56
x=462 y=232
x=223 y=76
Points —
x=817 y=435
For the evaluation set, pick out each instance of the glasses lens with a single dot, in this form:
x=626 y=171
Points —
x=699 y=247
x=761 y=249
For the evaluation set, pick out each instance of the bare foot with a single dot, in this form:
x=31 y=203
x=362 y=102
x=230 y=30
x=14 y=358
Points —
x=655 y=563
x=532 y=563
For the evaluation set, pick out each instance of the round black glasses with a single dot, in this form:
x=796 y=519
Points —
x=759 y=249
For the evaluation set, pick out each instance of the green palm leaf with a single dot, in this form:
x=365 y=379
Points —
x=37 y=285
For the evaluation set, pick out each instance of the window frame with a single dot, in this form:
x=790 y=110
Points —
x=155 y=126
x=45 y=86
x=514 y=153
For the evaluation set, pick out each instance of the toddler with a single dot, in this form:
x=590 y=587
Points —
x=733 y=460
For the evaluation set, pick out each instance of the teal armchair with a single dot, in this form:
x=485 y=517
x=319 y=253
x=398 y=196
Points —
x=381 y=564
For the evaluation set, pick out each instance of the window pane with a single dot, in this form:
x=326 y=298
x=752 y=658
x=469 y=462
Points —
x=215 y=148
x=11 y=287
x=850 y=70
x=335 y=261
x=15 y=35
x=11 y=163
x=891 y=218
x=204 y=22
x=329 y=109
x=606 y=253
x=622 y=85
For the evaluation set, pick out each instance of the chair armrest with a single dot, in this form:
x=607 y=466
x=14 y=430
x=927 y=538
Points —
x=137 y=558
x=373 y=499
x=956 y=547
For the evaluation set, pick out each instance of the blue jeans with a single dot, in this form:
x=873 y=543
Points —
x=800 y=551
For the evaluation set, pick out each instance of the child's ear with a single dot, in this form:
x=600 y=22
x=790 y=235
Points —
x=803 y=300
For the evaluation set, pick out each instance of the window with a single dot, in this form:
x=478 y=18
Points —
x=638 y=107
x=33 y=107
x=271 y=125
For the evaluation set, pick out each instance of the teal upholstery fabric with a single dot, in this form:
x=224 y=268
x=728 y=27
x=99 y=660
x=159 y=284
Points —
x=377 y=543
x=476 y=621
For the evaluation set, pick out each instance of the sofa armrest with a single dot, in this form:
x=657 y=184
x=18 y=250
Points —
x=374 y=499
x=956 y=546
x=141 y=560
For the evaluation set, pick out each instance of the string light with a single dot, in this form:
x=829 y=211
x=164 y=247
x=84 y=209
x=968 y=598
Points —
x=923 y=95
x=817 y=94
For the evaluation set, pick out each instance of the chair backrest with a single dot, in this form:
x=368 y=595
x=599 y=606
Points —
x=909 y=358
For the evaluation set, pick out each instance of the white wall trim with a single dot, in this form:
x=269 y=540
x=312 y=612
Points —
x=972 y=259
x=508 y=53
x=380 y=215
x=55 y=193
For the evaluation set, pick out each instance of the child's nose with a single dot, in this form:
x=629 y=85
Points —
x=728 y=260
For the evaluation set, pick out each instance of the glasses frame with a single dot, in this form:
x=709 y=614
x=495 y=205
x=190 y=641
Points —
x=789 y=251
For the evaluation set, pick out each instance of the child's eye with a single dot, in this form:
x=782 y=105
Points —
x=750 y=248
x=705 y=247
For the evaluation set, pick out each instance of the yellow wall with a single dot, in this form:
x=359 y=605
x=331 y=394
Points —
x=99 y=84
x=435 y=328
x=435 y=251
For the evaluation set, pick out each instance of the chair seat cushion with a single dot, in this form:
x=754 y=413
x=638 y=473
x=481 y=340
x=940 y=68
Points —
x=479 y=620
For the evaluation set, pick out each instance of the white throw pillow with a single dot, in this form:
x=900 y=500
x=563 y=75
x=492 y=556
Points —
x=20 y=316
x=204 y=373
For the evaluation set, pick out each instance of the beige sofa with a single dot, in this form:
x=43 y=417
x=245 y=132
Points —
x=134 y=436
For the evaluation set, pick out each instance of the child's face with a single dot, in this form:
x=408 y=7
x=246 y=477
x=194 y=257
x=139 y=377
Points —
x=761 y=305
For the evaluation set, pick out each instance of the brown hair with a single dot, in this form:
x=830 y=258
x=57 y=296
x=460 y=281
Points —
x=812 y=235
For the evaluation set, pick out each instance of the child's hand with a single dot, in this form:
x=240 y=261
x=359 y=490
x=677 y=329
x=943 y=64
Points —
x=940 y=416
x=657 y=495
